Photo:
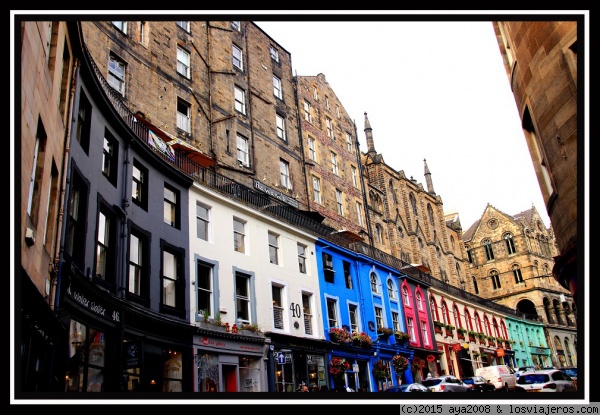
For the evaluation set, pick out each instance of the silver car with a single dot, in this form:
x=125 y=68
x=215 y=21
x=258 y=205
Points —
x=446 y=383
x=552 y=380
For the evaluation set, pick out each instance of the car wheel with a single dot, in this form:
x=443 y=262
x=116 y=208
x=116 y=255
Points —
x=505 y=388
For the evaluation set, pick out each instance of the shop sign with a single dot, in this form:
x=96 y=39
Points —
x=276 y=194
x=456 y=347
x=499 y=352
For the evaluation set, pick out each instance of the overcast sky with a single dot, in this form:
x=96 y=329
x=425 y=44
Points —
x=432 y=90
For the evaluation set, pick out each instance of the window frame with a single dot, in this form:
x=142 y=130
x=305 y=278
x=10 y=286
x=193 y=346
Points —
x=110 y=157
x=205 y=221
x=301 y=249
x=141 y=182
x=117 y=71
x=184 y=120
x=277 y=87
x=183 y=68
x=242 y=147
x=171 y=205
x=237 y=57
x=239 y=235
x=184 y=24
x=274 y=53
x=273 y=240
x=240 y=99
x=280 y=127
x=142 y=292
x=284 y=174
x=316 y=182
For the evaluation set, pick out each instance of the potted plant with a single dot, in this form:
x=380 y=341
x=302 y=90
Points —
x=381 y=370
x=361 y=339
x=437 y=326
x=401 y=336
x=472 y=336
x=338 y=335
x=461 y=332
x=338 y=367
x=400 y=364
x=384 y=331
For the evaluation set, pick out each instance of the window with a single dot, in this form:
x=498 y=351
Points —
x=349 y=145
x=301 y=258
x=411 y=329
x=405 y=297
x=328 y=270
x=347 y=274
x=236 y=25
x=307 y=112
x=239 y=235
x=171 y=206
x=204 y=288
x=329 y=127
x=315 y=93
x=307 y=310
x=185 y=25
x=280 y=123
x=137 y=282
x=240 y=100
x=419 y=301
x=457 y=322
x=143 y=33
x=475 y=287
x=353 y=313
x=87 y=359
x=316 y=189
x=242 y=150
x=395 y=321
x=37 y=173
x=424 y=333
x=332 y=313
x=413 y=204
x=378 y=234
x=183 y=116
x=312 y=150
x=373 y=280
x=139 y=185
x=237 y=57
x=359 y=214
x=337 y=111
x=110 y=152
x=390 y=289
x=274 y=53
x=273 y=248
x=277 y=87
x=489 y=252
x=378 y=317
x=339 y=201
x=76 y=219
x=202 y=221
x=183 y=62
x=242 y=297
x=430 y=213
x=277 y=297
x=334 y=163
x=84 y=122
x=116 y=74
x=326 y=102
x=122 y=26
x=510 y=244
x=517 y=274
x=495 y=279
x=169 y=279
x=284 y=174
x=354 y=174
x=105 y=245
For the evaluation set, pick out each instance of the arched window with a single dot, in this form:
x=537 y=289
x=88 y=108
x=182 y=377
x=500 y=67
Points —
x=568 y=354
x=452 y=243
x=468 y=322
x=458 y=269
x=486 y=326
x=419 y=301
x=475 y=287
x=489 y=251
x=374 y=283
x=510 y=244
x=445 y=314
x=496 y=328
x=517 y=274
x=413 y=204
x=379 y=234
x=495 y=279
x=391 y=185
x=434 y=309
x=405 y=298
x=457 y=322
x=390 y=287
x=478 y=325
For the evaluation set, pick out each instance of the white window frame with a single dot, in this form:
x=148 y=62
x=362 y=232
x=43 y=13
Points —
x=239 y=235
x=307 y=112
x=329 y=127
x=359 y=214
x=410 y=323
x=116 y=74
x=339 y=198
x=349 y=145
x=274 y=53
x=183 y=62
x=424 y=333
x=237 y=57
x=236 y=25
x=277 y=89
x=284 y=174
x=316 y=189
x=280 y=126
x=302 y=258
x=312 y=150
x=183 y=119
x=242 y=150
x=279 y=310
x=240 y=100
x=334 y=163
x=184 y=24
x=136 y=264
x=169 y=279
x=203 y=219
x=273 y=239
x=354 y=174
x=121 y=25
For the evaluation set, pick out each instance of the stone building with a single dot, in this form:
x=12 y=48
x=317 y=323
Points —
x=541 y=63
x=510 y=262
x=223 y=90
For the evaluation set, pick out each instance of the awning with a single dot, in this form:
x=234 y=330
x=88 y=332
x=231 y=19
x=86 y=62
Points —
x=191 y=152
x=349 y=234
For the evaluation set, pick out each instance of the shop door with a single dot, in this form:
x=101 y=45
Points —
x=230 y=378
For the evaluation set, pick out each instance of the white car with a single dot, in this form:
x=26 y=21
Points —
x=552 y=380
x=523 y=369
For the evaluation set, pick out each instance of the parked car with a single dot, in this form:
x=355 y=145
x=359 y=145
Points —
x=523 y=369
x=408 y=387
x=549 y=380
x=479 y=384
x=570 y=371
x=446 y=383
x=501 y=376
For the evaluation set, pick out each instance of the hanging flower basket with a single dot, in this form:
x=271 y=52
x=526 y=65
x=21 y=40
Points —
x=338 y=335
x=361 y=339
x=338 y=367
x=381 y=370
x=400 y=363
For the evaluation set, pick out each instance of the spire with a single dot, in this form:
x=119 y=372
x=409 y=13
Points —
x=369 y=134
x=428 y=178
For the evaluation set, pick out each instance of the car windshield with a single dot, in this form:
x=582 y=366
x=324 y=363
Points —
x=570 y=372
x=533 y=379
x=469 y=381
x=431 y=382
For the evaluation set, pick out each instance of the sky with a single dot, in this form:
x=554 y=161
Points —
x=432 y=90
